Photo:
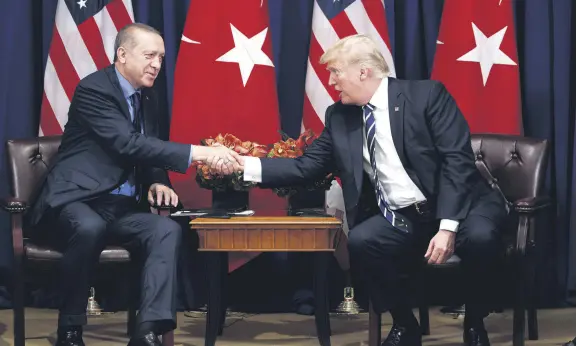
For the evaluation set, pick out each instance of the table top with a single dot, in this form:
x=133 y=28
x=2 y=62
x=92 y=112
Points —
x=268 y=220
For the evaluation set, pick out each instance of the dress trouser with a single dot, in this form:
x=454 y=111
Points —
x=382 y=255
x=81 y=230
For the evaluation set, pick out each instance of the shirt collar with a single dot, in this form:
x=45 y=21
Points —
x=127 y=88
x=380 y=97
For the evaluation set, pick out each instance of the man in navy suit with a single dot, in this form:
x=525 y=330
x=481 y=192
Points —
x=411 y=188
x=111 y=166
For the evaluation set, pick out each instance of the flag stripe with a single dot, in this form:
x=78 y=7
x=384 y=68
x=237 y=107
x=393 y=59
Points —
x=119 y=14
x=360 y=20
x=75 y=52
x=343 y=25
x=375 y=12
x=310 y=118
x=317 y=93
x=48 y=123
x=73 y=42
x=91 y=34
x=56 y=95
x=65 y=70
x=129 y=10
x=322 y=73
x=107 y=32
x=322 y=29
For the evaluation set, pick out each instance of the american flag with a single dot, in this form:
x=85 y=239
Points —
x=82 y=43
x=333 y=20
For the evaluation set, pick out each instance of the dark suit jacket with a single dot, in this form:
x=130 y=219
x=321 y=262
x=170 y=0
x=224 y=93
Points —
x=431 y=137
x=100 y=146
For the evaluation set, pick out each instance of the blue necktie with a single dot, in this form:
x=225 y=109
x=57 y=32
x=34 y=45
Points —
x=370 y=131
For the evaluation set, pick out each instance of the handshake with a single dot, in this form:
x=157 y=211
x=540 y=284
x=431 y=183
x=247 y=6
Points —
x=220 y=159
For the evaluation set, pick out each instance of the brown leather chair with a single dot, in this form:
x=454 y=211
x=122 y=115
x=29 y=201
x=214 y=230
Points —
x=28 y=161
x=516 y=167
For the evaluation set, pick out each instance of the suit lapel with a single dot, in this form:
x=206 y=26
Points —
x=355 y=126
x=396 y=118
x=118 y=91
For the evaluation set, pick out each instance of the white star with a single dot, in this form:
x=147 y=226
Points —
x=247 y=52
x=82 y=3
x=487 y=52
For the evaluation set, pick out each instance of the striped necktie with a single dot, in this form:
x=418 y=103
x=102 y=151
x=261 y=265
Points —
x=370 y=131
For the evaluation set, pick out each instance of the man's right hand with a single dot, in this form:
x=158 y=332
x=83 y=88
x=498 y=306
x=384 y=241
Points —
x=219 y=158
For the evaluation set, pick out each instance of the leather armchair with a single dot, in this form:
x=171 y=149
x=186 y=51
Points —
x=28 y=163
x=516 y=167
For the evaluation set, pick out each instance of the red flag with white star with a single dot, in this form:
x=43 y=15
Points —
x=476 y=59
x=224 y=82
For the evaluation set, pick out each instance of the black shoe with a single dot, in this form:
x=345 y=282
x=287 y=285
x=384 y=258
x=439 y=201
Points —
x=71 y=336
x=475 y=336
x=150 y=339
x=401 y=336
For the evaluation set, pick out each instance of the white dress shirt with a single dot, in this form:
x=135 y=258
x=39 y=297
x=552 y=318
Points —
x=398 y=188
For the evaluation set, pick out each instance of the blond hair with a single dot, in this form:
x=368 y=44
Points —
x=357 y=49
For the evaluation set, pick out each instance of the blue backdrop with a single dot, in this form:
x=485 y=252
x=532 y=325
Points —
x=546 y=43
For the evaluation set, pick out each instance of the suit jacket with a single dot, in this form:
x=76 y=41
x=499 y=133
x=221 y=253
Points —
x=100 y=146
x=431 y=137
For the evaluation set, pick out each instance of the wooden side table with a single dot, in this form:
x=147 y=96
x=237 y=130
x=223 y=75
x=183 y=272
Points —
x=218 y=237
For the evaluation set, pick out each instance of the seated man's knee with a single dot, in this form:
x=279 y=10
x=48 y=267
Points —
x=89 y=231
x=359 y=242
x=483 y=238
x=168 y=231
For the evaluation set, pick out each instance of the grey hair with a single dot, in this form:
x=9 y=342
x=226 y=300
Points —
x=125 y=36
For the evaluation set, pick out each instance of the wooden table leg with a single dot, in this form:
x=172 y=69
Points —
x=215 y=285
x=374 y=326
x=321 y=298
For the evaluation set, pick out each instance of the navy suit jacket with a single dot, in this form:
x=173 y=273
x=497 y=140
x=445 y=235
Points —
x=100 y=146
x=431 y=137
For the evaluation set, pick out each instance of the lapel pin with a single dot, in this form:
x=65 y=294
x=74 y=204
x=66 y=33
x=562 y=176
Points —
x=396 y=108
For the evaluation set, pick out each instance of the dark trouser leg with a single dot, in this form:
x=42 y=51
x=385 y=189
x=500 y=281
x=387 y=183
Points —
x=156 y=240
x=478 y=244
x=81 y=236
x=381 y=255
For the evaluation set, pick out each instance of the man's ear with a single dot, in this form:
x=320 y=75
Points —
x=121 y=54
x=364 y=73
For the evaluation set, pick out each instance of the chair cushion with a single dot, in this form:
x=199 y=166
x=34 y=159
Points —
x=112 y=254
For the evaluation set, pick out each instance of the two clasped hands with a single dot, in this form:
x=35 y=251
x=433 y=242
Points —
x=221 y=159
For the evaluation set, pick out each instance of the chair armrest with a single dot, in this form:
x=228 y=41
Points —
x=163 y=210
x=530 y=205
x=13 y=205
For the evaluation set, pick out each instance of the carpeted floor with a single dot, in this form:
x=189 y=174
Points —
x=555 y=328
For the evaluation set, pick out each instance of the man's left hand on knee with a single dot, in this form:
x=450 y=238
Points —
x=441 y=247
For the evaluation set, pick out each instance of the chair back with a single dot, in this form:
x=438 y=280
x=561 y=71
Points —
x=28 y=164
x=514 y=165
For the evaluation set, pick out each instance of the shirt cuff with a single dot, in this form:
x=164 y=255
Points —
x=190 y=156
x=252 y=169
x=449 y=225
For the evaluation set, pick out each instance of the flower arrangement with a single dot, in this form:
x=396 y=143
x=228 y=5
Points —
x=218 y=182
x=291 y=148
x=285 y=148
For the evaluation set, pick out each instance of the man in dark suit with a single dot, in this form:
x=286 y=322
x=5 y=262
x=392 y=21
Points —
x=111 y=166
x=402 y=150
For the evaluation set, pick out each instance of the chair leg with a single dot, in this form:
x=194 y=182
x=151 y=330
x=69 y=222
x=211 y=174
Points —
x=531 y=310
x=520 y=306
x=18 y=302
x=424 y=318
x=374 y=326
x=532 y=324
x=134 y=299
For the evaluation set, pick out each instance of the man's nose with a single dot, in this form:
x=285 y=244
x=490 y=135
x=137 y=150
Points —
x=155 y=63
x=331 y=80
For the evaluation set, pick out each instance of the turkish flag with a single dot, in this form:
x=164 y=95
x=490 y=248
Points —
x=224 y=82
x=476 y=59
